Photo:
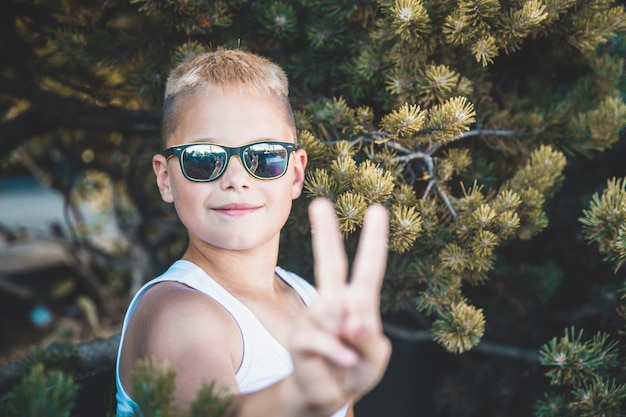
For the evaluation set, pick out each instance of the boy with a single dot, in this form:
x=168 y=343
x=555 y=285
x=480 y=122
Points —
x=225 y=312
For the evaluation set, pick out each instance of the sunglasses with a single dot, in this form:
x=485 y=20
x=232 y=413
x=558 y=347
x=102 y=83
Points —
x=204 y=162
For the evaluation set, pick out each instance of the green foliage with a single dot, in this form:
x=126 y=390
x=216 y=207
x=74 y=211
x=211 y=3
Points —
x=60 y=357
x=47 y=389
x=153 y=390
x=590 y=373
x=604 y=222
x=575 y=361
x=41 y=392
x=460 y=328
x=584 y=369
x=210 y=402
x=458 y=237
x=48 y=386
x=405 y=225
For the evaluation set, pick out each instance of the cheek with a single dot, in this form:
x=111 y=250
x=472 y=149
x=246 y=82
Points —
x=181 y=187
x=284 y=198
x=187 y=197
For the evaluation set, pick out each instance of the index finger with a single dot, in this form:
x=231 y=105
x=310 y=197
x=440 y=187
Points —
x=330 y=261
x=371 y=257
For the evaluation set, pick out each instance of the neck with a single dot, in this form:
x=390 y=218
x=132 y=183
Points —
x=237 y=270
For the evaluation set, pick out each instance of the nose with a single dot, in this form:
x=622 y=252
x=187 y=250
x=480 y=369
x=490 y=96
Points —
x=235 y=176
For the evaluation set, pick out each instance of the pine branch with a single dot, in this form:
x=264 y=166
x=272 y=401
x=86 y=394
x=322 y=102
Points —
x=446 y=200
x=92 y=356
x=49 y=112
x=489 y=348
x=494 y=132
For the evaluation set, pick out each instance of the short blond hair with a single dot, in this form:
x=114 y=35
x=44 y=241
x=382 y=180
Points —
x=222 y=71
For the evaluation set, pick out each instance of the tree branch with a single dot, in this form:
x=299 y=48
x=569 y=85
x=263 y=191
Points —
x=493 y=132
x=93 y=356
x=513 y=352
x=49 y=112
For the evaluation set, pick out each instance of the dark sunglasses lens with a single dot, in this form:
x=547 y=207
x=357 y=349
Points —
x=266 y=160
x=204 y=162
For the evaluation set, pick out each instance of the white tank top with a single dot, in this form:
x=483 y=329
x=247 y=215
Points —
x=264 y=362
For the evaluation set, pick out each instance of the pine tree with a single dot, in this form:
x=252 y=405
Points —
x=589 y=374
x=462 y=117
x=47 y=388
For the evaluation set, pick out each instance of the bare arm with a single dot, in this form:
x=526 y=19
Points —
x=189 y=331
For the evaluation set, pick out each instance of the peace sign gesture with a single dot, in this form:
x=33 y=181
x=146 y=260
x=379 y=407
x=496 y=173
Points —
x=339 y=349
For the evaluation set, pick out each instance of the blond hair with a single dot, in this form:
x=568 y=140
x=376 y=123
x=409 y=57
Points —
x=223 y=71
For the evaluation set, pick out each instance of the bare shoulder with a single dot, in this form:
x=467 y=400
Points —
x=173 y=303
x=189 y=330
x=172 y=311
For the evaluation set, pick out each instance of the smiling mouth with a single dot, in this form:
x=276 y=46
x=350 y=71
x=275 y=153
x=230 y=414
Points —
x=236 y=209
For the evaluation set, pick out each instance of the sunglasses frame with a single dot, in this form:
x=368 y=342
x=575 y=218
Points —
x=238 y=151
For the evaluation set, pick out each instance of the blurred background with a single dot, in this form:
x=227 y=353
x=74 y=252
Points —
x=82 y=225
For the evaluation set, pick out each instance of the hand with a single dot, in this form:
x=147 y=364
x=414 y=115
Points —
x=339 y=349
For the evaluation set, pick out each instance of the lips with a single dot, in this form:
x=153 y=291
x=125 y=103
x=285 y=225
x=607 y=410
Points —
x=236 y=209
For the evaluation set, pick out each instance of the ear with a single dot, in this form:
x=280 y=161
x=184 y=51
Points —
x=300 y=159
x=159 y=165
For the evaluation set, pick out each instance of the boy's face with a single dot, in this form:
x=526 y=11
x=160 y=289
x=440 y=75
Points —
x=235 y=211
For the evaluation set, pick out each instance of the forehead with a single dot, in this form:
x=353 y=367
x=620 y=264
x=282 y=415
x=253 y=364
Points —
x=231 y=118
